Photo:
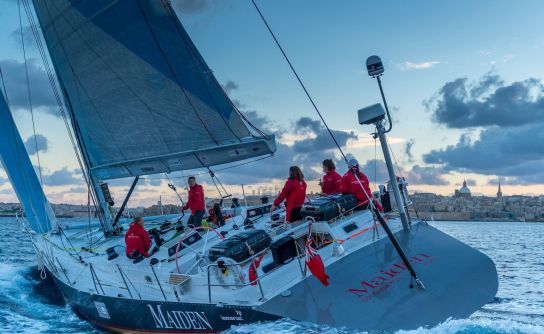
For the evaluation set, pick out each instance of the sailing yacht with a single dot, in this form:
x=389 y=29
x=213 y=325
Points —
x=139 y=100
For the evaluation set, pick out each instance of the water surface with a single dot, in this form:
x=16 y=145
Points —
x=28 y=305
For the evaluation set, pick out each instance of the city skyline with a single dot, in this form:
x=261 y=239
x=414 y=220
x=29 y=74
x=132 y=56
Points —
x=466 y=97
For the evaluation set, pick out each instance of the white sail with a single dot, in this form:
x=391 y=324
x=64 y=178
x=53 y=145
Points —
x=22 y=176
x=141 y=98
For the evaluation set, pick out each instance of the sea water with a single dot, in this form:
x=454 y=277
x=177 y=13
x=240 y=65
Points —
x=27 y=305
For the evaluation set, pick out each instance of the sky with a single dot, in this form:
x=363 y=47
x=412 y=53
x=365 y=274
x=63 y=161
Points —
x=463 y=81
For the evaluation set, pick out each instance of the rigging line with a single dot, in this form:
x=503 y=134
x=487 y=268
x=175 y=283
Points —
x=369 y=196
x=173 y=17
x=299 y=80
x=237 y=165
x=35 y=31
x=174 y=188
x=74 y=123
x=213 y=177
x=375 y=164
x=4 y=86
x=257 y=130
x=55 y=91
x=221 y=185
x=32 y=111
x=90 y=238
x=204 y=65
x=174 y=75
x=394 y=158
x=214 y=79
x=401 y=174
x=51 y=78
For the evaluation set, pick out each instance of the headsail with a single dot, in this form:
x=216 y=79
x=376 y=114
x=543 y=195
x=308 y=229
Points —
x=23 y=178
x=141 y=97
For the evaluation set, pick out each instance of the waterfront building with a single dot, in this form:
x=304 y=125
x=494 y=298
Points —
x=464 y=191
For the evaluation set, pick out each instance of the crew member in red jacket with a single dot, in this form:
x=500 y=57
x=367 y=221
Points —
x=195 y=202
x=294 y=194
x=332 y=181
x=137 y=239
x=350 y=185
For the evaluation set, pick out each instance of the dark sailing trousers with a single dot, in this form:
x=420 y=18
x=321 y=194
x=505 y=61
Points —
x=295 y=214
x=196 y=219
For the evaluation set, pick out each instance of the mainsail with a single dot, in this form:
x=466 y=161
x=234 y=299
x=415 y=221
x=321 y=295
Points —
x=141 y=98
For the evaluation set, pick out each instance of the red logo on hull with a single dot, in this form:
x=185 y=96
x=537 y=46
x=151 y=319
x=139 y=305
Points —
x=386 y=278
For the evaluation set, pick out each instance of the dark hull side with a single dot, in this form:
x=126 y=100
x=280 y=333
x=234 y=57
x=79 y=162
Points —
x=369 y=290
x=141 y=316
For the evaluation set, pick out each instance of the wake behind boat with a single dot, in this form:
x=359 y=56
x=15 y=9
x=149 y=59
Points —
x=125 y=65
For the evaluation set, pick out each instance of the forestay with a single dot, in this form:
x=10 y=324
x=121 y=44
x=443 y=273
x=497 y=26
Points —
x=141 y=98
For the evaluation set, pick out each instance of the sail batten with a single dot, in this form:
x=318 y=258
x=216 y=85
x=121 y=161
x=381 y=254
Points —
x=139 y=89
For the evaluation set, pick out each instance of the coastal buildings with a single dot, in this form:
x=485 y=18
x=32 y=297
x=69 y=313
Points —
x=468 y=207
x=463 y=205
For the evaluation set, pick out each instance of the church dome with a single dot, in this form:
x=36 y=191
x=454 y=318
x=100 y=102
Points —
x=464 y=189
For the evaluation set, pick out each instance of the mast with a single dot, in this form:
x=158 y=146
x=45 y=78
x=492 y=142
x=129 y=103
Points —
x=21 y=174
x=104 y=214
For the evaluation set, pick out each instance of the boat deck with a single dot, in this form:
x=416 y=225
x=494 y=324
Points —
x=190 y=277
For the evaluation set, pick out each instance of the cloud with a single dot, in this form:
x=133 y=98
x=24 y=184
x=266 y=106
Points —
x=461 y=104
x=28 y=37
x=418 y=175
x=515 y=152
x=78 y=190
x=426 y=175
x=318 y=137
x=3 y=181
x=375 y=170
x=526 y=180
x=262 y=122
x=62 y=177
x=471 y=182
x=304 y=143
x=408 y=150
x=408 y=65
x=190 y=6
x=230 y=86
x=17 y=90
x=36 y=144
x=508 y=57
x=8 y=191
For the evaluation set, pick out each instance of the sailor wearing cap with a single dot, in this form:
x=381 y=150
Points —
x=356 y=183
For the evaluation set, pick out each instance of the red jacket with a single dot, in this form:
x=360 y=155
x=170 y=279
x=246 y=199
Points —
x=350 y=185
x=137 y=238
x=196 y=199
x=332 y=183
x=294 y=191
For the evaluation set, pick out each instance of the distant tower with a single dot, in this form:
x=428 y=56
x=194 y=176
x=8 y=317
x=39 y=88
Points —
x=499 y=192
